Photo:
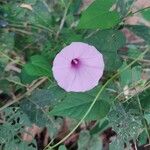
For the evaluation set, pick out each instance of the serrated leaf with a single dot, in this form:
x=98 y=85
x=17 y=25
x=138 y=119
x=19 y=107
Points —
x=126 y=125
x=38 y=66
x=116 y=144
x=15 y=120
x=99 y=15
x=108 y=43
x=76 y=105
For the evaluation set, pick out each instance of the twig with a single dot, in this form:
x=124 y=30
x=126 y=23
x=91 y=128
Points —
x=21 y=31
x=142 y=60
x=15 y=82
x=146 y=87
x=63 y=20
x=24 y=95
x=9 y=58
x=140 y=10
x=135 y=146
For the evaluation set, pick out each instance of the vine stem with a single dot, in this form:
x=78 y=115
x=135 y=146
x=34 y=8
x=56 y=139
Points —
x=94 y=101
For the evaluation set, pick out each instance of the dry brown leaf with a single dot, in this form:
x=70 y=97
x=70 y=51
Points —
x=26 y=6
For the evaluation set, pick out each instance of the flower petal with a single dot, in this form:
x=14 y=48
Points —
x=80 y=78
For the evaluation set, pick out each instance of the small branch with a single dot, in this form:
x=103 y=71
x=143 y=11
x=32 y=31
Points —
x=21 y=31
x=140 y=60
x=140 y=10
x=63 y=20
x=24 y=95
x=135 y=146
x=15 y=82
x=9 y=58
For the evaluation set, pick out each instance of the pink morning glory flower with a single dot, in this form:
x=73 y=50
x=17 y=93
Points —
x=78 y=67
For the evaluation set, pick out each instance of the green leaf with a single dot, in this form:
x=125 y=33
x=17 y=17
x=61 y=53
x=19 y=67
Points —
x=144 y=99
x=108 y=43
x=33 y=106
x=125 y=76
x=70 y=36
x=130 y=75
x=99 y=15
x=88 y=142
x=116 y=144
x=142 y=139
x=32 y=2
x=4 y=85
x=6 y=41
x=124 y=6
x=100 y=127
x=141 y=31
x=41 y=14
x=62 y=147
x=38 y=66
x=146 y=14
x=136 y=74
x=76 y=6
x=14 y=145
x=76 y=105
x=26 y=78
x=133 y=52
x=15 y=120
x=126 y=125
x=147 y=117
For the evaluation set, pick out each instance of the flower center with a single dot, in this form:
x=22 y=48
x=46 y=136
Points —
x=75 y=62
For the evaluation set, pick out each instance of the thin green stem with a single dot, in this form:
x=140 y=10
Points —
x=94 y=101
x=9 y=58
x=37 y=26
x=15 y=82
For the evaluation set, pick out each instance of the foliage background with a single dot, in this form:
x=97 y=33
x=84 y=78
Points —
x=115 y=114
